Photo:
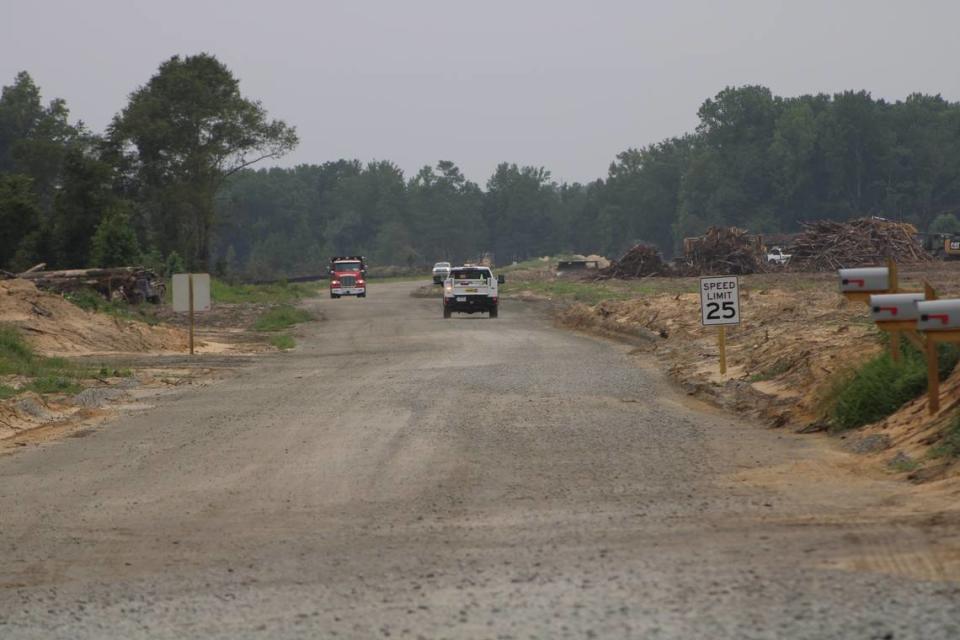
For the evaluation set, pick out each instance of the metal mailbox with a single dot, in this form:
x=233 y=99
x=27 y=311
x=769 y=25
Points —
x=894 y=307
x=939 y=315
x=865 y=279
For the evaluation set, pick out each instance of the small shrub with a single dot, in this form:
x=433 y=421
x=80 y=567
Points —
x=17 y=358
x=86 y=299
x=881 y=386
x=904 y=465
x=7 y=392
x=283 y=342
x=949 y=446
x=54 y=384
x=281 y=318
x=15 y=354
x=174 y=264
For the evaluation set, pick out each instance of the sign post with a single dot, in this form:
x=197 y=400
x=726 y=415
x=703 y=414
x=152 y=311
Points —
x=720 y=306
x=191 y=293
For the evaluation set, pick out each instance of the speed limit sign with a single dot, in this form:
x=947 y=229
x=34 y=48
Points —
x=720 y=300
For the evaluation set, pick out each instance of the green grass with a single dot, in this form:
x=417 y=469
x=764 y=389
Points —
x=593 y=292
x=106 y=372
x=881 y=386
x=534 y=263
x=90 y=300
x=54 y=384
x=949 y=446
x=904 y=466
x=277 y=293
x=47 y=375
x=280 y=318
x=282 y=341
x=573 y=290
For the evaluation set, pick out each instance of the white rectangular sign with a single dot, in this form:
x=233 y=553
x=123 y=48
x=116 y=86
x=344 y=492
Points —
x=720 y=300
x=181 y=292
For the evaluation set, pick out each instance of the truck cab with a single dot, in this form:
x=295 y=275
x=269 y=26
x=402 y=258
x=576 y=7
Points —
x=348 y=276
x=471 y=289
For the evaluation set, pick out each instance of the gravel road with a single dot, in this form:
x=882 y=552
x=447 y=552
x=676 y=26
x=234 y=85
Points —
x=401 y=475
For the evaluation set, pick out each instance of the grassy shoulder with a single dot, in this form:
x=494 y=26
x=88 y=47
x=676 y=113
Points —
x=881 y=386
x=276 y=293
x=90 y=300
x=283 y=342
x=949 y=445
x=593 y=291
x=282 y=317
x=33 y=372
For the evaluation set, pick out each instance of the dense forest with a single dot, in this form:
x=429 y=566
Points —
x=170 y=182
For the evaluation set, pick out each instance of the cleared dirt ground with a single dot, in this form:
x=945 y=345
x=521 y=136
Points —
x=401 y=475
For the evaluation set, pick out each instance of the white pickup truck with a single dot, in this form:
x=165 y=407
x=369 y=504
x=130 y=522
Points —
x=777 y=256
x=471 y=290
x=441 y=271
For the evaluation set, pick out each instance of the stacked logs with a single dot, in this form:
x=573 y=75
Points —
x=640 y=261
x=827 y=245
x=722 y=250
x=128 y=284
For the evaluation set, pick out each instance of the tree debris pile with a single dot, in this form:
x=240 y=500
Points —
x=639 y=262
x=132 y=285
x=722 y=250
x=827 y=245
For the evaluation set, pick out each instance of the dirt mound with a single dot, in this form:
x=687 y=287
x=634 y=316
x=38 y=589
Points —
x=827 y=245
x=640 y=261
x=54 y=326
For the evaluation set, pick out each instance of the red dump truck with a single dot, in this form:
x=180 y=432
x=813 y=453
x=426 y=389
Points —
x=348 y=276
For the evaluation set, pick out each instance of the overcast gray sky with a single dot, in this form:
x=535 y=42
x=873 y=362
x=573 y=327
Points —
x=565 y=85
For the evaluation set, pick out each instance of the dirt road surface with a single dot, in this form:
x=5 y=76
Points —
x=400 y=475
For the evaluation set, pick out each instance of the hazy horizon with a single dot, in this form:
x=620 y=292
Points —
x=560 y=85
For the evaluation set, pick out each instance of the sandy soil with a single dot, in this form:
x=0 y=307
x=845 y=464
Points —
x=155 y=355
x=54 y=326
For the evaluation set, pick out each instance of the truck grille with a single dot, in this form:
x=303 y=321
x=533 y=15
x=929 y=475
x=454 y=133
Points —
x=348 y=281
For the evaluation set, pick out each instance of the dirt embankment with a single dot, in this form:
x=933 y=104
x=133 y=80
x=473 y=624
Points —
x=797 y=339
x=53 y=326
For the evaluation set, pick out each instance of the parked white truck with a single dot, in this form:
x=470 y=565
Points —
x=471 y=289
x=777 y=256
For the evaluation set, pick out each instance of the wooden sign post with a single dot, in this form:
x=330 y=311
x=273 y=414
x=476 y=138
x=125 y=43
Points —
x=191 y=293
x=720 y=306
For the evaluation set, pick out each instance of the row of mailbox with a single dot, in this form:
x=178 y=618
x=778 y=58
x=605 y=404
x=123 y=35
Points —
x=930 y=315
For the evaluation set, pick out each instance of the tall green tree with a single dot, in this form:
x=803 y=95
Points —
x=19 y=216
x=178 y=140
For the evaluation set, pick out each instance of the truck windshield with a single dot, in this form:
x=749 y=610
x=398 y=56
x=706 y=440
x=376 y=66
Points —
x=346 y=266
x=471 y=274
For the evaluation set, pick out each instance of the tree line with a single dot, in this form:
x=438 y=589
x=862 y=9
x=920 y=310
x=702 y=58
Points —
x=170 y=183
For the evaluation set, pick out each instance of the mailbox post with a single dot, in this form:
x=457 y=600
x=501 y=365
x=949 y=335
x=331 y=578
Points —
x=862 y=283
x=940 y=323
